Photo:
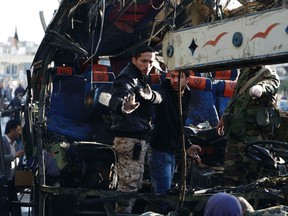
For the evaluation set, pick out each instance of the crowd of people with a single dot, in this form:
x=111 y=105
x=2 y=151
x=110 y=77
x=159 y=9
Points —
x=131 y=106
x=250 y=116
x=13 y=149
x=12 y=152
x=10 y=95
x=11 y=100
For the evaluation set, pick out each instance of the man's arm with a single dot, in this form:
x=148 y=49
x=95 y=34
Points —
x=149 y=94
x=270 y=83
x=8 y=157
x=266 y=87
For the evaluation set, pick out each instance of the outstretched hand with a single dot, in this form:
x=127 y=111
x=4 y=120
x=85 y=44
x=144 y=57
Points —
x=146 y=93
x=129 y=104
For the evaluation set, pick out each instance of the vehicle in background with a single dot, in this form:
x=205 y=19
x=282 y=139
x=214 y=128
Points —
x=283 y=104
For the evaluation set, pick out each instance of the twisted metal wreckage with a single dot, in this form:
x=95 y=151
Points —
x=204 y=36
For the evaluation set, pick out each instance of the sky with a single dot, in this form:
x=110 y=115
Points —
x=24 y=15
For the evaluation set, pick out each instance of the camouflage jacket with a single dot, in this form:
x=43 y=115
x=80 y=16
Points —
x=245 y=113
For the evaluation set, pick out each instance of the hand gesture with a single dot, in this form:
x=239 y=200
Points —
x=146 y=93
x=129 y=104
x=256 y=91
x=193 y=150
x=220 y=127
x=19 y=153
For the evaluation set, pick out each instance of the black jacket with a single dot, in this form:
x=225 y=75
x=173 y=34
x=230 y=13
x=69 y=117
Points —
x=138 y=123
x=166 y=133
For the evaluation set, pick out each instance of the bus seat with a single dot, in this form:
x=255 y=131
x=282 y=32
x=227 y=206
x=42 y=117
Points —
x=200 y=83
x=100 y=68
x=67 y=97
x=100 y=160
x=73 y=130
x=63 y=70
x=202 y=102
x=67 y=113
x=193 y=73
x=155 y=80
x=225 y=74
x=101 y=74
x=224 y=91
x=101 y=99
x=99 y=113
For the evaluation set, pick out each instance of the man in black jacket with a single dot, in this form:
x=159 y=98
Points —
x=165 y=137
x=131 y=111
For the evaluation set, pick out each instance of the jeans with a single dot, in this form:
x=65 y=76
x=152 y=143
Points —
x=161 y=166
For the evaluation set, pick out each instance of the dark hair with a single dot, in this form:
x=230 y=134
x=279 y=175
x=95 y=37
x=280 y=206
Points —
x=141 y=49
x=11 y=124
x=186 y=72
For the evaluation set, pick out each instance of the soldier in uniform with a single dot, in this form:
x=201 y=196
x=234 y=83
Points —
x=250 y=116
x=131 y=112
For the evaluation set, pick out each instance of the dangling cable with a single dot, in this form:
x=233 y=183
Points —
x=92 y=45
x=174 y=15
x=181 y=197
x=100 y=35
x=135 y=10
x=152 y=32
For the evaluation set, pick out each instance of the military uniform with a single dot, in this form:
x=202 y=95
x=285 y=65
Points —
x=248 y=119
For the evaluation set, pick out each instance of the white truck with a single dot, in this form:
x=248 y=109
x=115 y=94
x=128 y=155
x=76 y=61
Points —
x=259 y=38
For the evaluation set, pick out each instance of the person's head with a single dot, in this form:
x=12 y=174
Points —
x=143 y=58
x=174 y=78
x=13 y=129
x=223 y=204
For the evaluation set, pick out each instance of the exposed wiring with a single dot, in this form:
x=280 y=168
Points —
x=156 y=8
x=174 y=14
x=152 y=32
x=100 y=36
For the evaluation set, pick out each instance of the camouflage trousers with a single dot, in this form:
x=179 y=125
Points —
x=129 y=171
x=279 y=210
x=238 y=169
x=248 y=210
